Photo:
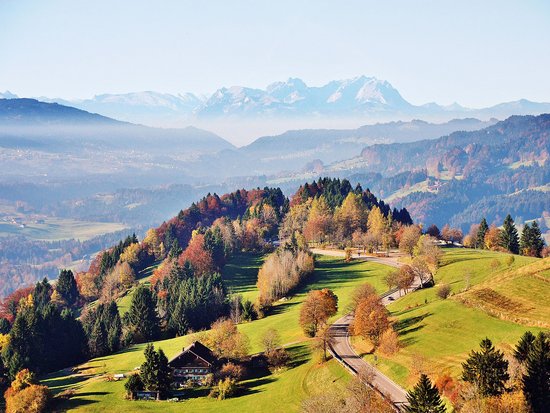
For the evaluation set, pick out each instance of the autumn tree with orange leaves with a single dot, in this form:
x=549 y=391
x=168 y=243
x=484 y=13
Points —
x=318 y=307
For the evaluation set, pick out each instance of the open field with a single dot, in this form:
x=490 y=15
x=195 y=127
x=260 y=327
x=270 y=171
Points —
x=437 y=334
x=55 y=229
x=277 y=392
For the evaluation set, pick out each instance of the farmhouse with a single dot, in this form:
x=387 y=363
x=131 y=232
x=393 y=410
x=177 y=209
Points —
x=194 y=363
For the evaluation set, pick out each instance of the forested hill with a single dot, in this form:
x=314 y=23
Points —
x=464 y=176
x=184 y=257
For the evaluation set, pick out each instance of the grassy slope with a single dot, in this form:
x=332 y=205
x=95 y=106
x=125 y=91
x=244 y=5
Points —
x=278 y=392
x=438 y=335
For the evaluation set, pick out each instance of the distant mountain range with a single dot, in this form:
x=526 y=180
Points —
x=455 y=172
x=29 y=123
x=366 y=98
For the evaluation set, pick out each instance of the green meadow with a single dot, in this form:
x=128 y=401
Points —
x=436 y=334
x=279 y=392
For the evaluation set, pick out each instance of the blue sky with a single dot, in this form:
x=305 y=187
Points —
x=475 y=52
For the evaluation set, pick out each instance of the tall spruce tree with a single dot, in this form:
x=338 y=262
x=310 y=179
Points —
x=531 y=242
x=536 y=380
x=66 y=287
x=424 y=398
x=147 y=369
x=482 y=230
x=509 y=236
x=487 y=369
x=155 y=372
x=142 y=316
x=524 y=346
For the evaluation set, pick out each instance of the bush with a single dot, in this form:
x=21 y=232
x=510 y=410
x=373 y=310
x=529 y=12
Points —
x=277 y=358
x=248 y=311
x=510 y=260
x=31 y=399
x=133 y=384
x=225 y=389
x=443 y=291
x=232 y=371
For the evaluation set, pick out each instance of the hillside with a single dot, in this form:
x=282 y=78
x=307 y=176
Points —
x=461 y=177
x=501 y=303
x=289 y=387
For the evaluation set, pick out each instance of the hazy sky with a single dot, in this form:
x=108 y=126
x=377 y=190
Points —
x=475 y=52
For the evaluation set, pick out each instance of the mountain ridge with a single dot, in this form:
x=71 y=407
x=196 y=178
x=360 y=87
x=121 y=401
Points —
x=361 y=96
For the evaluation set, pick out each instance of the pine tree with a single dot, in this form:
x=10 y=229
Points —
x=480 y=237
x=487 y=368
x=41 y=294
x=155 y=372
x=66 y=287
x=536 y=381
x=163 y=373
x=142 y=316
x=537 y=243
x=5 y=326
x=509 y=236
x=424 y=398
x=147 y=369
x=97 y=342
x=524 y=346
x=531 y=242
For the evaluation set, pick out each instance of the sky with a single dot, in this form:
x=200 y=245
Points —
x=477 y=53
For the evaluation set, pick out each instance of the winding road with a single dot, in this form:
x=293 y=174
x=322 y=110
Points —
x=341 y=347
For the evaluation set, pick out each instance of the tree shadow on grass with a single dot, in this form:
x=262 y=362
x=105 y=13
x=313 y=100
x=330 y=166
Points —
x=60 y=384
x=410 y=324
x=251 y=386
x=280 y=308
x=64 y=405
x=299 y=354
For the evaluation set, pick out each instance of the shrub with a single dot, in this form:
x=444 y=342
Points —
x=278 y=358
x=510 y=260
x=232 y=371
x=443 y=291
x=224 y=389
x=31 y=399
x=133 y=384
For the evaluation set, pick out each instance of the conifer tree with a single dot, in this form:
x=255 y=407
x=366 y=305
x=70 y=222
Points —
x=424 y=398
x=531 y=242
x=487 y=369
x=5 y=326
x=142 y=316
x=524 y=346
x=509 y=236
x=66 y=287
x=480 y=237
x=147 y=369
x=536 y=381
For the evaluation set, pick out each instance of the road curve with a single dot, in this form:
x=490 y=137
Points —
x=341 y=347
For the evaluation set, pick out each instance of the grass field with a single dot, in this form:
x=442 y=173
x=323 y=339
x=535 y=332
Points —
x=282 y=392
x=437 y=334
x=55 y=229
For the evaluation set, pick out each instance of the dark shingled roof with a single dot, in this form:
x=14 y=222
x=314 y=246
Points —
x=199 y=350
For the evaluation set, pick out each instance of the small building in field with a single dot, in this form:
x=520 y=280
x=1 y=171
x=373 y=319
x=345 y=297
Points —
x=193 y=364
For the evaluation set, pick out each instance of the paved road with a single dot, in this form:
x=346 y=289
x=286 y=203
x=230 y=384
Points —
x=344 y=352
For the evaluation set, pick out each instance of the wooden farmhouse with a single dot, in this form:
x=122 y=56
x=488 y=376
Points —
x=193 y=364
